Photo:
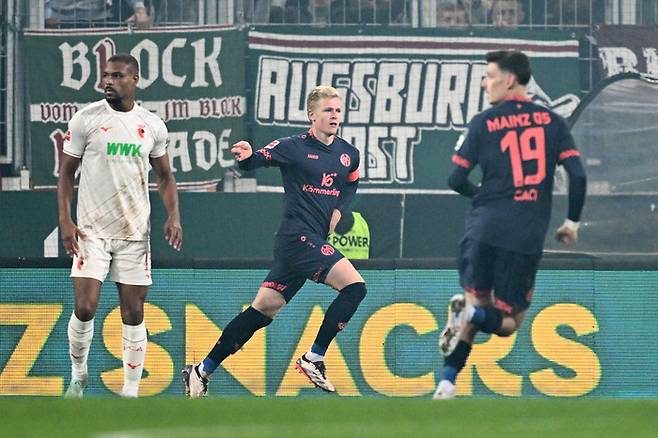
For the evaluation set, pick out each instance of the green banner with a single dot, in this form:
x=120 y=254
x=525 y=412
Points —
x=585 y=335
x=407 y=93
x=193 y=80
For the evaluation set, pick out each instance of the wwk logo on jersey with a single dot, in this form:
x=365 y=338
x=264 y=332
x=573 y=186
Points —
x=124 y=149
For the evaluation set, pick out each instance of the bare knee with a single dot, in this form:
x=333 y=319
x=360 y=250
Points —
x=85 y=307
x=508 y=327
x=87 y=293
x=505 y=333
x=132 y=313
x=268 y=302
x=85 y=311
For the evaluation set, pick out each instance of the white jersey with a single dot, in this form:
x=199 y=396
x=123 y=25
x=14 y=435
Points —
x=113 y=195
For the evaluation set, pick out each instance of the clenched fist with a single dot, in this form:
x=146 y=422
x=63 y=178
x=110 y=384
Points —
x=242 y=150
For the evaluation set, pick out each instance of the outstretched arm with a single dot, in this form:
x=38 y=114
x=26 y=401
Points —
x=247 y=159
x=173 y=231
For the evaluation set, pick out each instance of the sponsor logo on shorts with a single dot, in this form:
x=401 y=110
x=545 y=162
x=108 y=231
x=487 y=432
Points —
x=345 y=160
x=327 y=250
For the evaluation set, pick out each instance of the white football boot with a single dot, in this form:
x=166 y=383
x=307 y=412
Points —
x=457 y=318
x=316 y=373
x=76 y=387
x=195 y=384
x=446 y=390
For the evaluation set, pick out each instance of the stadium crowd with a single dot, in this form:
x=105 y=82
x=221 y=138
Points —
x=510 y=14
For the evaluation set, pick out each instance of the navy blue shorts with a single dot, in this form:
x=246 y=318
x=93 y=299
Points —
x=298 y=258
x=484 y=268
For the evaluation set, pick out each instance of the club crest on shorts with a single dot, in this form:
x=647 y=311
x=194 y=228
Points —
x=345 y=160
x=327 y=250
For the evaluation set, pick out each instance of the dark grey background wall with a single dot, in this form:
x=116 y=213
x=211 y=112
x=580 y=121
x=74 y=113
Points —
x=242 y=225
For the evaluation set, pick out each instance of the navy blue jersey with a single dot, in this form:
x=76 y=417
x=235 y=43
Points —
x=317 y=179
x=517 y=144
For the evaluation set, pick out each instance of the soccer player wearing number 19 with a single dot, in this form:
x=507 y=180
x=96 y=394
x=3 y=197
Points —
x=517 y=145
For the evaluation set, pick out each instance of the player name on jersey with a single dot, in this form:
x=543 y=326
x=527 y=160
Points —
x=518 y=120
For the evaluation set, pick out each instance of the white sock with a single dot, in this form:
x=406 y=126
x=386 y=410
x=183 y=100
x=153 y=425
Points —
x=470 y=311
x=80 y=335
x=134 y=350
x=202 y=370
x=314 y=357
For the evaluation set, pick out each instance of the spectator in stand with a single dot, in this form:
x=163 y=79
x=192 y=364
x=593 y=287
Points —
x=302 y=11
x=477 y=11
x=507 y=14
x=367 y=11
x=66 y=14
x=450 y=15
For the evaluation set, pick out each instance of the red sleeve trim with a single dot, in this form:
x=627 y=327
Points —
x=568 y=154
x=461 y=161
x=264 y=153
x=353 y=176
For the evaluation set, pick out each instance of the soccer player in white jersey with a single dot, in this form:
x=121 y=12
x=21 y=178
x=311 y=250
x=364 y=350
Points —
x=114 y=142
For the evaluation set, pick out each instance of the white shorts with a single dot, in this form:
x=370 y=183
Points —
x=127 y=261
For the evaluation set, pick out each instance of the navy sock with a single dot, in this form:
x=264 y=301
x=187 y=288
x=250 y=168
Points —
x=487 y=319
x=449 y=373
x=478 y=316
x=339 y=313
x=209 y=365
x=315 y=348
x=454 y=363
x=234 y=336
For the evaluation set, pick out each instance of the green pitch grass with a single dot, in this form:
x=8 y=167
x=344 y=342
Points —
x=325 y=417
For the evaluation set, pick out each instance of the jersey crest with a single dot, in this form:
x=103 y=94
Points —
x=345 y=160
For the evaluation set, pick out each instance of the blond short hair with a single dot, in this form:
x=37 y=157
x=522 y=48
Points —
x=319 y=92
